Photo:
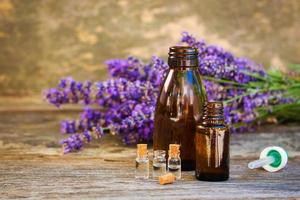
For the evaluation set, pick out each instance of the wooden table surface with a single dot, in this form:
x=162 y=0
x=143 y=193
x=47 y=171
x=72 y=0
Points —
x=32 y=167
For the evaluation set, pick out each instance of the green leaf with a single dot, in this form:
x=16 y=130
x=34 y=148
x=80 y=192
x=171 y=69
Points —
x=294 y=67
x=293 y=92
x=224 y=81
x=255 y=75
x=275 y=74
x=283 y=112
x=238 y=125
x=257 y=84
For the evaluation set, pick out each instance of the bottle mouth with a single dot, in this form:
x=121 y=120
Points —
x=183 y=51
x=183 y=56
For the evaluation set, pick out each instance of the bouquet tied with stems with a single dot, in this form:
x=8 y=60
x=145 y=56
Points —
x=126 y=102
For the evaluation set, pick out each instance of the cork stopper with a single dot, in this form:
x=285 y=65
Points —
x=141 y=150
x=174 y=150
x=166 y=179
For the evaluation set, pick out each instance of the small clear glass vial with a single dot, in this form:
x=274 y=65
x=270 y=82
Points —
x=174 y=161
x=159 y=163
x=142 y=162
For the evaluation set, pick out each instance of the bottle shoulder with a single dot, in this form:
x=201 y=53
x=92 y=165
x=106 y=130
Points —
x=201 y=129
x=181 y=88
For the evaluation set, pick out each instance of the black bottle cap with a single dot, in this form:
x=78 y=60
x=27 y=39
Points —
x=183 y=56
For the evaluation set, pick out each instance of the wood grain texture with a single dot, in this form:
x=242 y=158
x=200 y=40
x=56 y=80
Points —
x=32 y=167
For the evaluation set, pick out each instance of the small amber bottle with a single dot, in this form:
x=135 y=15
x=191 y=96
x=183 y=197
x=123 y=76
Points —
x=212 y=145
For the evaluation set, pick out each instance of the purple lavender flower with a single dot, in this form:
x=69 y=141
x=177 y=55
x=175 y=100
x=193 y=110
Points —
x=139 y=125
x=99 y=131
x=73 y=143
x=129 y=69
x=69 y=91
x=68 y=126
x=127 y=100
x=217 y=63
x=87 y=135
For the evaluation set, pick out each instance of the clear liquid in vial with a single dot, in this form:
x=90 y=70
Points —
x=159 y=169
x=175 y=170
x=142 y=169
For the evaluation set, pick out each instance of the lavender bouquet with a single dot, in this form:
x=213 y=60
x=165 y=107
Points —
x=126 y=102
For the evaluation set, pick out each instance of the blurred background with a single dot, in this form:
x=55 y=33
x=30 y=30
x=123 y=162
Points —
x=44 y=40
x=41 y=41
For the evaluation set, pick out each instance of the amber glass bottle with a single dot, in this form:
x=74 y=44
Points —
x=179 y=105
x=212 y=145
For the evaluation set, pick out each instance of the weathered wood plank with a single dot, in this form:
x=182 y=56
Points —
x=31 y=166
x=57 y=177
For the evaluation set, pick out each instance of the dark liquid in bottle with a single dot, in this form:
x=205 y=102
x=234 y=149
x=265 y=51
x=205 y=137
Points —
x=179 y=106
x=212 y=148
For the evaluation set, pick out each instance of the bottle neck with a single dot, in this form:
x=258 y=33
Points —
x=183 y=57
x=183 y=67
x=159 y=154
x=213 y=114
x=142 y=157
x=174 y=156
x=213 y=121
x=160 y=157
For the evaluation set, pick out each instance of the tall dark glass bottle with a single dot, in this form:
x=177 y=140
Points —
x=179 y=105
x=212 y=145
